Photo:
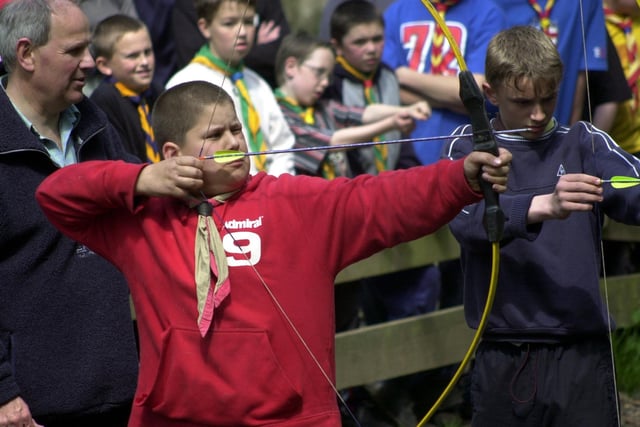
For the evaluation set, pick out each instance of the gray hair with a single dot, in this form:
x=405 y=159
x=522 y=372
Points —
x=29 y=19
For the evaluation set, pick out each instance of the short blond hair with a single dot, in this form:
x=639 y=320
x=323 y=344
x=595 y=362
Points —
x=110 y=30
x=523 y=52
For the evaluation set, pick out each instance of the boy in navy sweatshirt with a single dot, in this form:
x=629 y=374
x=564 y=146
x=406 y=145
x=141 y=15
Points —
x=545 y=356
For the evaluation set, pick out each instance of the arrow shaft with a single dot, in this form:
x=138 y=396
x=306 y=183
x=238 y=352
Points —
x=630 y=180
x=351 y=146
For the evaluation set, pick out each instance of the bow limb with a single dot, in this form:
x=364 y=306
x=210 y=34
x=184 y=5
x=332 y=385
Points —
x=494 y=218
x=445 y=30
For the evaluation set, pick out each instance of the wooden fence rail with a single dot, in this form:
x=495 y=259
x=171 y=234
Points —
x=437 y=339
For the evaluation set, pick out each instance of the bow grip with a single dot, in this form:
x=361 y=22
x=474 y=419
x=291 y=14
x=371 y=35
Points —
x=483 y=140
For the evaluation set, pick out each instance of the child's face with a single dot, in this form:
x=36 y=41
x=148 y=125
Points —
x=362 y=46
x=218 y=128
x=310 y=77
x=231 y=31
x=132 y=62
x=522 y=108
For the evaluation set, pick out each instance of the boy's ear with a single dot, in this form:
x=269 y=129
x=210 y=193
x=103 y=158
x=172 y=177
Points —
x=203 y=26
x=170 y=149
x=489 y=93
x=290 y=66
x=102 y=65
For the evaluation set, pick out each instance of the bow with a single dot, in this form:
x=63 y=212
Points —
x=483 y=140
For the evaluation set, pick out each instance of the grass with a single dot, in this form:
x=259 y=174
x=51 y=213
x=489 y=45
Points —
x=626 y=350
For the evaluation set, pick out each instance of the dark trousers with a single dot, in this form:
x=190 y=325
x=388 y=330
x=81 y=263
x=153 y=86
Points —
x=544 y=385
x=115 y=417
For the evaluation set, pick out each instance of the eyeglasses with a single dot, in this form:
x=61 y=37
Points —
x=321 y=73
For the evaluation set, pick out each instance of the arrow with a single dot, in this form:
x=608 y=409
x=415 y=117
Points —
x=227 y=156
x=619 y=182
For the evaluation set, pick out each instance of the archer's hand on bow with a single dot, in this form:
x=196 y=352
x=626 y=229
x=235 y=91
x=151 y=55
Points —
x=494 y=169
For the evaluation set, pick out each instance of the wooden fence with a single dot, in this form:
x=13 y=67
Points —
x=441 y=338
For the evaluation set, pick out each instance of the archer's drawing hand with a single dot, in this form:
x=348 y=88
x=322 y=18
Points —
x=180 y=177
x=576 y=192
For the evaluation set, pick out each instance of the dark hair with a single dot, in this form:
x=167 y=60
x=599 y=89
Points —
x=177 y=109
x=207 y=9
x=351 y=13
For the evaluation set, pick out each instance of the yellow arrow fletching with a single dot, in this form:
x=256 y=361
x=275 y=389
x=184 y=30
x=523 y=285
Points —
x=228 y=156
x=620 y=182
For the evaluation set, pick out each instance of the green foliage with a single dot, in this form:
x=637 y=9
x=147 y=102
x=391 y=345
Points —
x=447 y=419
x=626 y=350
x=453 y=423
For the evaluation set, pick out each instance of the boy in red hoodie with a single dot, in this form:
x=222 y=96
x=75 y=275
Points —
x=238 y=330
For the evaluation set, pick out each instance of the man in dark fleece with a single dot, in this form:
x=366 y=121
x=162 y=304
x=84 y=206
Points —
x=67 y=348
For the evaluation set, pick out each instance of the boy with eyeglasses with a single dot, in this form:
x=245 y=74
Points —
x=304 y=67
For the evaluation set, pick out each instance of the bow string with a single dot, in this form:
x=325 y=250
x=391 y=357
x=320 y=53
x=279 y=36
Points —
x=617 y=182
x=259 y=276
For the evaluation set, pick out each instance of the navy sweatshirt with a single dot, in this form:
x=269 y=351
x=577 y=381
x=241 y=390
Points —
x=548 y=288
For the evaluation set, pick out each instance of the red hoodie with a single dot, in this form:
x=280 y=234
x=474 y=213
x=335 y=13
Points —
x=251 y=368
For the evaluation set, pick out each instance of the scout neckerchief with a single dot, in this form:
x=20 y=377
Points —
x=367 y=80
x=632 y=62
x=153 y=153
x=438 y=65
x=210 y=258
x=307 y=116
x=250 y=116
x=380 y=151
x=544 y=15
x=305 y=113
